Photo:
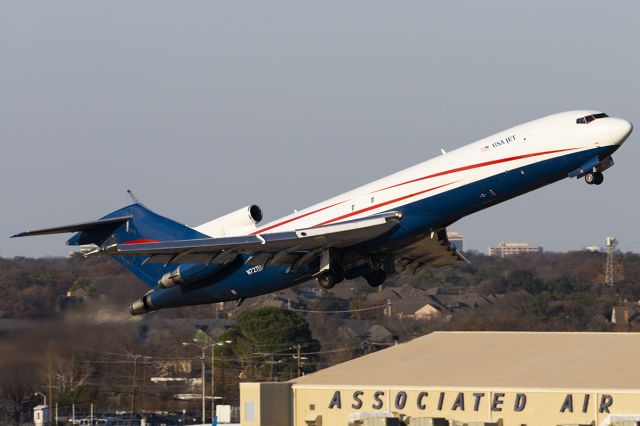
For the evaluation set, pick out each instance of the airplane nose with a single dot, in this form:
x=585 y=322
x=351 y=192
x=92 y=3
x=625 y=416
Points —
x=619 y=129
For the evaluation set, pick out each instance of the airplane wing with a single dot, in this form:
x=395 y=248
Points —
x=282 y=248
x=434 y=250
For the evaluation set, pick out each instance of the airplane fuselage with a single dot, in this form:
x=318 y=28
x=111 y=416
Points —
x=431 y=196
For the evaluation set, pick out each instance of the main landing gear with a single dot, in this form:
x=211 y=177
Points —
x=594 y=178
x=328 y=279
x=376 y=278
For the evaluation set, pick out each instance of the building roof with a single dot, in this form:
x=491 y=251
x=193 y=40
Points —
x=488 y=360
x=404 y=299
x=625 y=314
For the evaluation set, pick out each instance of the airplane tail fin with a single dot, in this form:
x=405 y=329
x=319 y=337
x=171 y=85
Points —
x=131 y=224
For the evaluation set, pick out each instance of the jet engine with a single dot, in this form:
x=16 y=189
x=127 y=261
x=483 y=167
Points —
x=142 y=306
x=240 y=222
x=189 y=273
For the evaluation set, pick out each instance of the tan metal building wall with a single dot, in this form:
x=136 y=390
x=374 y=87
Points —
x=265 y=404
x=532 y=379
x=536 y=408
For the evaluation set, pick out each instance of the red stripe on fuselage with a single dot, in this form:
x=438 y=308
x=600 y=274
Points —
x=475 y=166
x=375 y=206
x=446 y=172
x=140 y=241
x=294 y=218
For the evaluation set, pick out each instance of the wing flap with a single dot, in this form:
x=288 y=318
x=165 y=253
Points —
x=435 y=250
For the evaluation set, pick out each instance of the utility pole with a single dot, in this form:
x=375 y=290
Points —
x=253 y=362
x=203 y=387
x=133 y=389
x=203 y=376
x=299 y=359
x=213 y=374
x=144 y=381
x=612 y=243
x=213 y=383
x=389 y=308
x=50 y=368
x=222 y=373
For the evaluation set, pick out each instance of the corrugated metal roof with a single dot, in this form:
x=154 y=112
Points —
x=544 y=360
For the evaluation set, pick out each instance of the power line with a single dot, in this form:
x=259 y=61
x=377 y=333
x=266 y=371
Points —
x=338 y=312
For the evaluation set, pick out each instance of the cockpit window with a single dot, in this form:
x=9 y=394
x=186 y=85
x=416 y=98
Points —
x=589 y=118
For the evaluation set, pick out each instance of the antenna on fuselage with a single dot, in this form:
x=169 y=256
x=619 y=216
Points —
x=133 y=196
x=443 y=151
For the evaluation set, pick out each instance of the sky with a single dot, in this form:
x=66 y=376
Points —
x=203 y=107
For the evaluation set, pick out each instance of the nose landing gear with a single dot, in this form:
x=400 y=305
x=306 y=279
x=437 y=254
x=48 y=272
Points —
x=594 y=178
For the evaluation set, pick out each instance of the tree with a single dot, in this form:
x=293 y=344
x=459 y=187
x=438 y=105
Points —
x=18 y=382
x=265 y=340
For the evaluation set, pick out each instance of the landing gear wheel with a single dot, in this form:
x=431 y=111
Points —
x=376 y=278
x=328 y=280
x=590 y=178
x=599 y=178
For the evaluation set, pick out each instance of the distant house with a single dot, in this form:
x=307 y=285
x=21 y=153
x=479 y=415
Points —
x=432 y=311
x=355 y=329
x=462 y=301
x=434 y=291
x=379 y=334
x=625 y=314
x=413 y=302
x=404 y=300
x=72 y=298
x=79 y=293
x=285 y=299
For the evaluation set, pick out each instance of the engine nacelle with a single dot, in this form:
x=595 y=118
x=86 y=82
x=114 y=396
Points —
x=189 y=273
x=240 y=222
x=142 y=306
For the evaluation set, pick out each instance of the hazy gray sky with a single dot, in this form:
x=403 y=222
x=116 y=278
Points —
x=202 y=107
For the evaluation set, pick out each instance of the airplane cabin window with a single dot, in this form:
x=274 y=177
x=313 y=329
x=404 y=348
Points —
x=589 y=118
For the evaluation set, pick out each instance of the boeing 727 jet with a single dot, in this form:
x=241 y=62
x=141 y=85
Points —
x=397 y=223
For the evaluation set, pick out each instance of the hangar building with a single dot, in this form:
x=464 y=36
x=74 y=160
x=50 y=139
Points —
x=465 y=378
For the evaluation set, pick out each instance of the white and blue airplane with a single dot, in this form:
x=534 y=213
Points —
x=397 y=223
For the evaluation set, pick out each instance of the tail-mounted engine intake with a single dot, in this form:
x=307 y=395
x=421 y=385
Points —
x=240 y=222
x=189 y=273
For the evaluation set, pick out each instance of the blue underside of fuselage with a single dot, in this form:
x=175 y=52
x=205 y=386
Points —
x=419 y=217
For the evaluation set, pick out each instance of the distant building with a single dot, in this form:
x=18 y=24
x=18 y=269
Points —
x=560 y=379
x=508 y=249
x=456 y=239
x=625 y=314
x=594 y=249
x=41 y=415
x=431 y=311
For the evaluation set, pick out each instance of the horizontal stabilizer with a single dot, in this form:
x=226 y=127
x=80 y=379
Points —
x=99 y=226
